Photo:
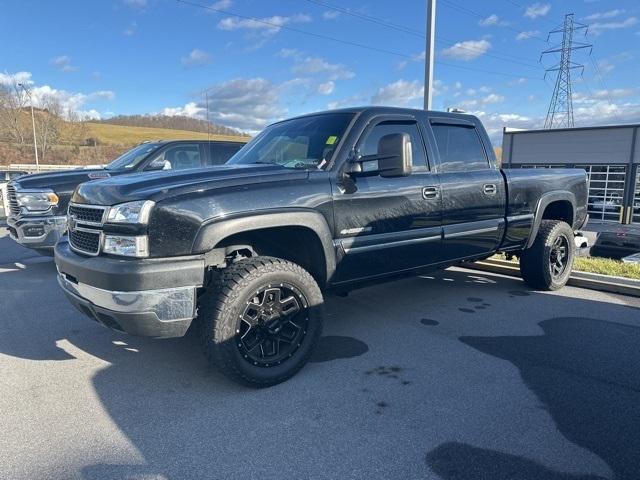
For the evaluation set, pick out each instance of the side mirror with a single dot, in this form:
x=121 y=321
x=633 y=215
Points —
x=395 y=155
x=158 y=164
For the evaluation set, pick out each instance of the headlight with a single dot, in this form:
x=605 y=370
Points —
x=128 y=246
x=36 y=201
x=131 y=212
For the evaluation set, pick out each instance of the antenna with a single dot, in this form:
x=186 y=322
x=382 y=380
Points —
x=560 y=113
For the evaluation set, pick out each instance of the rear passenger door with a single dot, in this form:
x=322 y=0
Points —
x=472 y=189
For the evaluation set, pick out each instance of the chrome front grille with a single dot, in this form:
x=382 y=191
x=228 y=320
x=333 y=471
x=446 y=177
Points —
x=12 y=200
x=85 y=227
x=88 y=215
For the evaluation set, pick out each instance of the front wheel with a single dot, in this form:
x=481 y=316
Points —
x=547 y=264
x=261 y=322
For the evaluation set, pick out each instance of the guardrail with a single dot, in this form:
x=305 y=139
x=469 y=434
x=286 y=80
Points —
x=31 y=167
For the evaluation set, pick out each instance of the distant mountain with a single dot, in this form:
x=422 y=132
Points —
x=171 y=122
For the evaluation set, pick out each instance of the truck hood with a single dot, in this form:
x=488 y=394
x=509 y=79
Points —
x=158 y=186
x=67 y=179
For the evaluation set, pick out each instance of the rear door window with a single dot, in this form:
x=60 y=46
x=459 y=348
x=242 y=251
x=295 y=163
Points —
x=219 y=153
x=460 y=148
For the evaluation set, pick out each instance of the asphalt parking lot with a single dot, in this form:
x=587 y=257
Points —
x=459 y=375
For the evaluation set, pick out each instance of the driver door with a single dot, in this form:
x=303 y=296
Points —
x=386 y=225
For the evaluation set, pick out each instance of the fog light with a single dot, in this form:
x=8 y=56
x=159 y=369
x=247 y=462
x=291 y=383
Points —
x=35 y=231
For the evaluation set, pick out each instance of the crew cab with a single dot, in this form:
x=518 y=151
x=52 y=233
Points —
x=37 y=204
x=323 y=202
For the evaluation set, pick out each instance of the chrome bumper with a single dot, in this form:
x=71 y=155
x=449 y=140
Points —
x=153 y=313
x=37 y=232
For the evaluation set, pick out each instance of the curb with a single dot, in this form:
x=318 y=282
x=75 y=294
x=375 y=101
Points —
x=591 y=281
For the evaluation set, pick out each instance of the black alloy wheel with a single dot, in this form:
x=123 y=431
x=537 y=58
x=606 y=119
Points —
x=273 y=325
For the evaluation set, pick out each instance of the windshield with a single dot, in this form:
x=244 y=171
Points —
x=133 y=157
x=304 y=143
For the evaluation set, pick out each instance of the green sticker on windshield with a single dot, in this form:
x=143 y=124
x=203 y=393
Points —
x=331 y=140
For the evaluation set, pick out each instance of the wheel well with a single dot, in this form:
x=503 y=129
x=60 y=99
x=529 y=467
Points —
x=300 y=245
x=559 y=210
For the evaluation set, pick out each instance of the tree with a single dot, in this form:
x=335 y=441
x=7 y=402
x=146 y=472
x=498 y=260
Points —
x=49 y=123
x=13 y=121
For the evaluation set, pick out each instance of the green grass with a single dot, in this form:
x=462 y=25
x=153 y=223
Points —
x=124 y=135
x=603 y=266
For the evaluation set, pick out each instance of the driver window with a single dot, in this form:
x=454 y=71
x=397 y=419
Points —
x=369 y=145
x=179 y=157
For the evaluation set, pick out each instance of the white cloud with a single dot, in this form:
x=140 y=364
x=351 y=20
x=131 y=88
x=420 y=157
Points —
x=537 y=10
x=319 y=66
x=326 y=88
x=399 y=93
x=608 y=94
x=467 y=50
x=18 y=77
x=289 y=53
x=600 y=27
x=471 y=103
x=222 y=4
x=518 y=81
x=247 y=104
x=69 y=101
x=191 y=109
x=330 y=14
x=602 y=15
x=196 y=57
x=63 y=63
x=131 y=29
x=267 y=25
x=491 y=21
x=135 y=3
x=526 y=35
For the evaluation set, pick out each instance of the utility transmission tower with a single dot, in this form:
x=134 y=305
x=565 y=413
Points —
x=560 y=113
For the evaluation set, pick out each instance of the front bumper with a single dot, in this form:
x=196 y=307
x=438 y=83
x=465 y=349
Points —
x=37 y=232
x=152 y=297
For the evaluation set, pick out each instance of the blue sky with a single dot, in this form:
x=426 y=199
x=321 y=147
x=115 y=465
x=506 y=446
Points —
x=109 y=57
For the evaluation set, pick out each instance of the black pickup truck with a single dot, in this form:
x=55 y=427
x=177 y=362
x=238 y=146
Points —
x=322 y=202
x=37 y=204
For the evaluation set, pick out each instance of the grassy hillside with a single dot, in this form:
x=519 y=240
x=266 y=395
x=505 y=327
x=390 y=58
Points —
x=121 y=135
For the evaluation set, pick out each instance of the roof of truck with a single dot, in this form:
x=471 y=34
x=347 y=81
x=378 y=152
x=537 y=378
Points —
x=387 y=110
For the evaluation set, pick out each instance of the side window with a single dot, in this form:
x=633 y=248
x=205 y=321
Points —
x=369 y=145
x=219 y=153
x=460 y=148
x=179 y=157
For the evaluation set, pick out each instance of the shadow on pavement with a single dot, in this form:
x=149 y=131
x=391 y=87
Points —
x=458 y=461
x=586 y=372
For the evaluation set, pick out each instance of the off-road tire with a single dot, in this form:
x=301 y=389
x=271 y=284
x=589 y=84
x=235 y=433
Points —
x=220 y=307
x=535 y=262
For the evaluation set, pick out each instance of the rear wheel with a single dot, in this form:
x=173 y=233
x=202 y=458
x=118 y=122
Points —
x=261 y=321
x=547 y=264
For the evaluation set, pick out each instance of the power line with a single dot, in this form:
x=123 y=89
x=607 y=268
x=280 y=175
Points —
x=468 y=11
x=338 y=40
x=294 y=29
x=600 y=78
x=401 y=28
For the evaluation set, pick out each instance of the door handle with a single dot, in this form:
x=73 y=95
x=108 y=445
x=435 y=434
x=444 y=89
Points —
x=489 y=189
x=429 y=192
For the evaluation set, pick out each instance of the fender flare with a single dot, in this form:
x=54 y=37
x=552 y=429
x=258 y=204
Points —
x=212 y=232
x=545 y=200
